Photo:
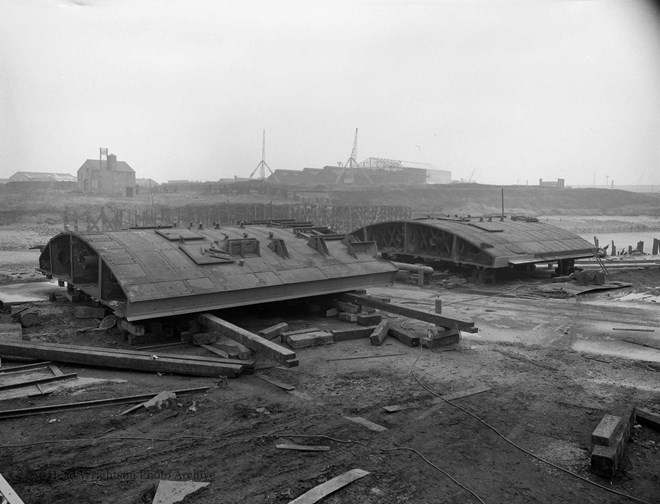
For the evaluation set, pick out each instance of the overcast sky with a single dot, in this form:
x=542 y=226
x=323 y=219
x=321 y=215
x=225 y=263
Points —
x=513 y=91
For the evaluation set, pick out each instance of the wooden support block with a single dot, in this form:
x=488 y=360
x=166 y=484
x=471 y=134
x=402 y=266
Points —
x=332 y=312
x=148 y=338
x=607 y=430
x=233 y=348
x=134 y=329
x=253 y=341
x=347 y=307
x=310 y=339
x=351 y=334
x=433 y=318
x=435 y=343
x=438 y=305
x=368 y=319
x=205 y=338
x=435 y=333
x=648 y=418
x=379 y=333
x=274 y=331
x=404 y=337
x=606 y=460
x=348 y=317
x=216 y=351
x=299 y=331
x=86 y=312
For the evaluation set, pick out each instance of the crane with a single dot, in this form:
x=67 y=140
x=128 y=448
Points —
x=352 y=162
x=262 y=164
x=471 y=175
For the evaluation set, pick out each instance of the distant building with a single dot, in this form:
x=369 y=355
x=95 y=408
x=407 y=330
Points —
x=559 y=183
x=39 y=181
x=25 y=176
x=107 y=176
x=146 y=185
x=371 y=171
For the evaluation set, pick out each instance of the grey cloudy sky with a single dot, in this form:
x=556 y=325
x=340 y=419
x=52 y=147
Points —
x=512 y=90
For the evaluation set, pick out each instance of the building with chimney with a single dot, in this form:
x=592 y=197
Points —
x=107 y=176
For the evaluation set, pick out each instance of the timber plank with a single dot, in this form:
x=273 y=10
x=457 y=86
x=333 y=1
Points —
x=321 y=491
x=8 y=492
x=273 y=381
x=252 y=341
x=90 y=356
x=366 y=423
x=379 y=333
x=404 y=337
x=297 y=447
x=433 y=318
x=350 y=334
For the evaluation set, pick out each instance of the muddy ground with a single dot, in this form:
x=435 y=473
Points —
x=554 y=366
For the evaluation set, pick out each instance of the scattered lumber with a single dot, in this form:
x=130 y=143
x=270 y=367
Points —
x=610 y=439
x=169 y=492
x=53 y=408
x=316 y=338
x=379 y=333
x=123 y=359
x=647 y=418
x=8 y=493
x=298 y=331
x=367 y=423
x=22 y=368
x=433 y=318
x=273 y=381
x=39 y=381
x=404 y=337
x=321 y=491
x=348 y=317
x=253 y=341
x=350 y=334
x=216 y=351
x=345 y=307
x=440 y=336
x=298 y=447
x=274 y=331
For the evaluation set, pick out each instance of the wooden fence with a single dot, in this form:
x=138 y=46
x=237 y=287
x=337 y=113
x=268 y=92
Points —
x=342 y=218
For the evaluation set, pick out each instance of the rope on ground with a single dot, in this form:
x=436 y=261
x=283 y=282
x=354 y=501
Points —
x=515 y=445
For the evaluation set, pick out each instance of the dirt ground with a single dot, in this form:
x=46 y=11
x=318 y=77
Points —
x=554 y=367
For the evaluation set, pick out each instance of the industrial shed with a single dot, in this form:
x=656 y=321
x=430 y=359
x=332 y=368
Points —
x=149 y=273
x=492 y=243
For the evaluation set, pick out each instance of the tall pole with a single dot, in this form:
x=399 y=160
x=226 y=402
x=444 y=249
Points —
x=503 y=203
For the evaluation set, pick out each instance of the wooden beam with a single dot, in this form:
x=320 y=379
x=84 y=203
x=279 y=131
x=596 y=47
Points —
x=38 y=381
x=350 y=334
x=273 y=381
x=433 y=318
x=8 y=493
x=379 y=333
x=404 y=337
x=52 y=408
x=133 y=360
x=252 y=341
x=321 y=491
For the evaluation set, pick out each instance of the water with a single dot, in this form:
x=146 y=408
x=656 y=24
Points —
x=622 y=240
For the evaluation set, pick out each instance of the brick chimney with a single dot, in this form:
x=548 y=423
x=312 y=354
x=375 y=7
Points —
x=112 y=162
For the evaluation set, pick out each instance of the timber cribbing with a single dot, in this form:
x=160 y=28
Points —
x=342 y=218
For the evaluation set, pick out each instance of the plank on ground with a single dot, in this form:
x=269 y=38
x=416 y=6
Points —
x=273 y=381
x=320 y=492
x=8 y=492
x=90 y=356
x=252 y=341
